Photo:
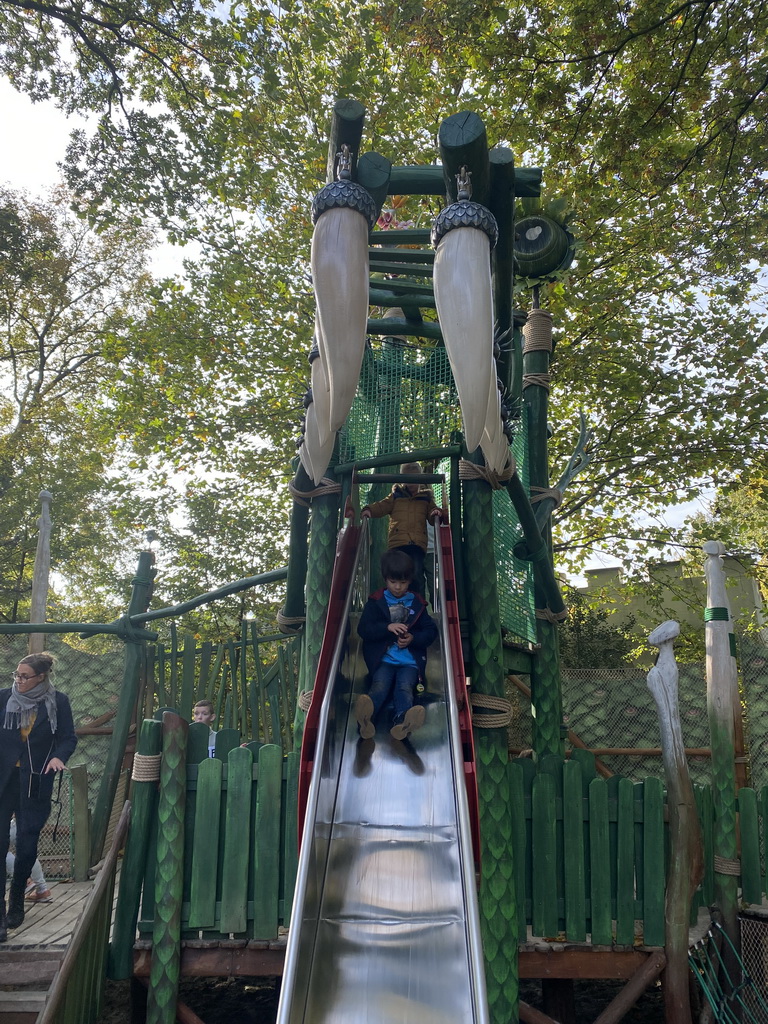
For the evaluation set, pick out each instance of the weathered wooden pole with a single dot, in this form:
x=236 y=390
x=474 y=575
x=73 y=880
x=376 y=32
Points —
x=129 y=692
x=38 y=607
x=722 y=699
x=687 y=865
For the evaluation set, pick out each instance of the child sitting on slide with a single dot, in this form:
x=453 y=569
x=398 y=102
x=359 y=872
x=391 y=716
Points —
x=396 y=632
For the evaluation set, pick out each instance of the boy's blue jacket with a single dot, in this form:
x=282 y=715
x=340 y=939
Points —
x=377 y=638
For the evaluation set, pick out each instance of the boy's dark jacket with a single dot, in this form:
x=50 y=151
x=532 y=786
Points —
x=377 y=638
x=41 y=744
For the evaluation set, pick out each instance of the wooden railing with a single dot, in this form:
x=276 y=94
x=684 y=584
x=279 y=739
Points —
x=76 y=992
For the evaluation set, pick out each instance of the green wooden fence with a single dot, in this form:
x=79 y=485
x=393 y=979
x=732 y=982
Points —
x=591 y=858
x=251 y=681
x=240 y=847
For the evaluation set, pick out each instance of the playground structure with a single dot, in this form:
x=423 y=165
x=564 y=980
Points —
x=576 y=877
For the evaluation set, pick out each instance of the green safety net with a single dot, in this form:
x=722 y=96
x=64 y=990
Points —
x=406 y=401
x=737 y=1000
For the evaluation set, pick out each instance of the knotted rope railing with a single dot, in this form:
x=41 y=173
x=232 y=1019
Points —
x=471 y=471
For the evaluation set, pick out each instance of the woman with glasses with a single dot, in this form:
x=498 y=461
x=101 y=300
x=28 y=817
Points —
x=37 y=738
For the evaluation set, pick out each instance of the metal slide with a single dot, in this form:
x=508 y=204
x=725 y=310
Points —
x=385 y=923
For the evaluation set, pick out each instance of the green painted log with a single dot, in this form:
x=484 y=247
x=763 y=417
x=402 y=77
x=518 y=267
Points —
x=427 y=179
x=346 y=130
x=546 y=697
x=292 y=613
x=322 y=552
x=501 y=202
x=463 y=143
x=373 y=173
x=498 y=907
x=129 y=691
x=143 y=808
x=166 y=934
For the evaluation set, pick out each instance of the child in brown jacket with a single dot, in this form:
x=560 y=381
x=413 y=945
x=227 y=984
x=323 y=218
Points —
x=409 y=507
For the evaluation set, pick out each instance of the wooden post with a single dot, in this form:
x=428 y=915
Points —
x=687 y=865
x=722 y=698
x=129 y=691
x=78 y=776
x=39 y=602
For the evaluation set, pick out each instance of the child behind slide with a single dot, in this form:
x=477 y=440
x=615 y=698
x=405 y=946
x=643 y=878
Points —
x=396 y=632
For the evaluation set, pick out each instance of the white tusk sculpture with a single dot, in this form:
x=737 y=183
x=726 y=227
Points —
x=463 y=236
x=315 y=453
x=343 y=213
x=494 y=444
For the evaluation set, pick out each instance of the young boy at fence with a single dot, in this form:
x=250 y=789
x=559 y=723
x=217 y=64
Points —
x=409 y=507
x=37 y=889
x=203 y=712
x=396 y=632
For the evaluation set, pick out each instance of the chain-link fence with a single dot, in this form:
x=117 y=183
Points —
x=89 y=672
x=754 y=955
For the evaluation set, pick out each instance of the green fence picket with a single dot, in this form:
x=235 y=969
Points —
x=653 y=862
x=573 y=853
x=625 y=863
x=266 y=846
x=205 y=847
x=234 y=873
x=600 y=874
x=544 y=855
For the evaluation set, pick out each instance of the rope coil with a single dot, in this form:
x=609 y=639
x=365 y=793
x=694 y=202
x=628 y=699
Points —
x=725 y=866
x=542 y=493
x=305 y=699
x=537 y=332
x=547 y=615
x=146 y=767
x=325 y=487
x=470 y=471
x=290 y=623
x=539 y=379
x=500 y=705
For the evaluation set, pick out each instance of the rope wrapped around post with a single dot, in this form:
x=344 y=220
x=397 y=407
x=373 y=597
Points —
x=146 y=767
x=305 y=699
x=290 y=623
x=500 y=705
x=326 y=486
x=547 y=615
x=470 y=471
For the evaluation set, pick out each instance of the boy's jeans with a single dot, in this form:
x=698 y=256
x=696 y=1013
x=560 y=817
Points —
x=399 y=681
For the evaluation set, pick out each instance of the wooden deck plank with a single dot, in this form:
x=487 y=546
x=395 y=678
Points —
x=48 y=925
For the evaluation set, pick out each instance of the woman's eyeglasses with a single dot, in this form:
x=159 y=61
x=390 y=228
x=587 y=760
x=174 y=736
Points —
x=18 y=675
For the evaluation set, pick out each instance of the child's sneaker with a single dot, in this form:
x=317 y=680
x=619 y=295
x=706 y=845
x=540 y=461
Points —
x=363 y=714
x=40 y=896
x=412 y=720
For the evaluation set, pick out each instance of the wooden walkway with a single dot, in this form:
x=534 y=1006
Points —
x=33 y=952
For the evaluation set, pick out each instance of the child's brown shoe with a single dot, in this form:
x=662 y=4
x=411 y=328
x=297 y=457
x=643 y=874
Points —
x=413 y=719
x=363 y=714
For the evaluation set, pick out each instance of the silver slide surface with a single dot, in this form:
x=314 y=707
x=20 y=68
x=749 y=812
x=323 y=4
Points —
x=385 y=925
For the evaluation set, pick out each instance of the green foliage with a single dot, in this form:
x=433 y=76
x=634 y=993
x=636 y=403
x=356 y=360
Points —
x=649 y=122
x=589 y=640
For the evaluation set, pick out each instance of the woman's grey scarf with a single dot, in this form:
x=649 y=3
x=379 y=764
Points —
x=22 y=706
